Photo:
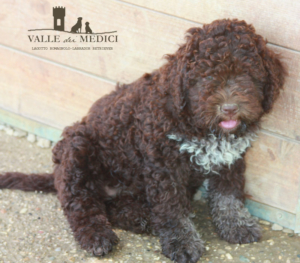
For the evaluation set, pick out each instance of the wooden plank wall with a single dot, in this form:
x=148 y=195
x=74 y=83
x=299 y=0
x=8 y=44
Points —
x=40 y=85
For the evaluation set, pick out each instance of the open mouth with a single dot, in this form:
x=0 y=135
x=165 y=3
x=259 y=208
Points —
x=229 y=125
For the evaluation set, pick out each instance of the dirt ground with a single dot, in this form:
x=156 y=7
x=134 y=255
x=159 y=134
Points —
x=33 y=228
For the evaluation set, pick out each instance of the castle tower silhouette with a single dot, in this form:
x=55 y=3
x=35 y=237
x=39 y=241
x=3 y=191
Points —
x=59 y=18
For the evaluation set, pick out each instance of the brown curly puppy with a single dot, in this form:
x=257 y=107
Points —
x=138 y=157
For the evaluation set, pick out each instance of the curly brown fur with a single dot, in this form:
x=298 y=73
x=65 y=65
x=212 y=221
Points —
x=142 y=151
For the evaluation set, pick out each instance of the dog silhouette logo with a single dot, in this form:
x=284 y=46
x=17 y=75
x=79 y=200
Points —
x=77 y=27
x=59 y=14
x=88 y=30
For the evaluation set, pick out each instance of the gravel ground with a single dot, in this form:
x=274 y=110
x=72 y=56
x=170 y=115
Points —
x=33 y=228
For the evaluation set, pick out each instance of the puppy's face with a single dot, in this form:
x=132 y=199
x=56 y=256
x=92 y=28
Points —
x=226 y=103
x=225 y=77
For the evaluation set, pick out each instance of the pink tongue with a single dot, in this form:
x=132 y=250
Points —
x=228 y=124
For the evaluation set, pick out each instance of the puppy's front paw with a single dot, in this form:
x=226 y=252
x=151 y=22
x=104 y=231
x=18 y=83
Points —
x=235 y=232
x=233 y=221
x=97 y=241
x=187 y=250
x=182 y=244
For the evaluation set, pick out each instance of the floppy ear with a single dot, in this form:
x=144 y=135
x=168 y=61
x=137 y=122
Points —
x=275 y=78
x=179 y=68
x=173 y=81
x=178 y=87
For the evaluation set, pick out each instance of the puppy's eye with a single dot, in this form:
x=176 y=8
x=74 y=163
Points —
x=209 y=77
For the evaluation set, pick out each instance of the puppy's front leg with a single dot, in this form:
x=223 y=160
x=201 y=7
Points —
x=226 y=199
x=170 y=208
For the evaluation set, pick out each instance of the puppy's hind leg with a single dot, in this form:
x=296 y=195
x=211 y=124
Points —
x=88 y=220
x=81 y=195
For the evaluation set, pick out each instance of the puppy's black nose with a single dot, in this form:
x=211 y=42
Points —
x=229 y=109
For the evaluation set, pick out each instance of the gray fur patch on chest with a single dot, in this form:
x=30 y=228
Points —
x=211 y=152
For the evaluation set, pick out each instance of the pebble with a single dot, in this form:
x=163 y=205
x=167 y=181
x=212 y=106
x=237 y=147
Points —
x=221 y=251
x=263 y=222
x=267 y=261
x=197 y=196
x=19 y=133
x=289 y=231
x=229 y=256
x=43 y=143
x=58 y=249
x=23 y=210
x=276 y=227
x=2 y=127
x=191 y=215
x=244 y=259
x=9 y=130
x=31 y=137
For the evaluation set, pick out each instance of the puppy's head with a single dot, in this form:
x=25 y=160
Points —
x=224 y=78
